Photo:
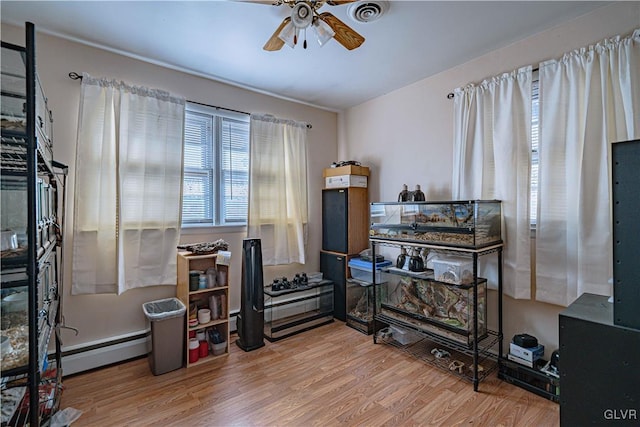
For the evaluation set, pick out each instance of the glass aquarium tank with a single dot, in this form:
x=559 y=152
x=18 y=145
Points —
x=435 y=306
x=467 y=224
x=360 y=304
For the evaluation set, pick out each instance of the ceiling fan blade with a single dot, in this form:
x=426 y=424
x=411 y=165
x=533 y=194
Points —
x=264 y=2
x=345 y=35
x=338 y=2
x=276 y=43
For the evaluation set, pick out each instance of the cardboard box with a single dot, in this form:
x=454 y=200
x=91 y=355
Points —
x=344 y=181
x=346 y=170
x=528 y=354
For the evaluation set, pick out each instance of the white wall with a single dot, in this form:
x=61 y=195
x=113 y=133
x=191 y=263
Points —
x=406 y=136
x=102 y=317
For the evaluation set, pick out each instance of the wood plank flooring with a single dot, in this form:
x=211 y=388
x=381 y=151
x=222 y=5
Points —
x=329 y=376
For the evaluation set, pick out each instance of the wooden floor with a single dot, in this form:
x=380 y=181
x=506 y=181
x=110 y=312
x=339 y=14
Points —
x=329 y=376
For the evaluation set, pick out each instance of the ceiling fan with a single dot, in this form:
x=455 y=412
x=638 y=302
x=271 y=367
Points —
x=304 y=14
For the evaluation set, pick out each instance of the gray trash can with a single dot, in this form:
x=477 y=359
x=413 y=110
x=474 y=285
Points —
x=167 y=334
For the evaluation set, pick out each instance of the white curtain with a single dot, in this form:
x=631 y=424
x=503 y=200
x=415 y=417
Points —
x=278 y=206
x=492 y=149
x=128 y=185
x=588 y=100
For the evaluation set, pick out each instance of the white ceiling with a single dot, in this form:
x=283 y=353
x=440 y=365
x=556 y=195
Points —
x=223 y=40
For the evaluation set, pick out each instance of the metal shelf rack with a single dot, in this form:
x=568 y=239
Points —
x=32 y=185
x=480 y=356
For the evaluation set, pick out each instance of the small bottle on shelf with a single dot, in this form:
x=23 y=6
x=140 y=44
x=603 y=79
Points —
x=212 y=277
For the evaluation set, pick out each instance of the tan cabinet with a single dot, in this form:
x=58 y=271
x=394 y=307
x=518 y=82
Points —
x=207 y=307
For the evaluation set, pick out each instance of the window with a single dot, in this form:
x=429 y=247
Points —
x=216 y=167
x=535 y=112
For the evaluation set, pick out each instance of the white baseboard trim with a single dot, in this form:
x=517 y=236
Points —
x=95 y=354
x=87 y=356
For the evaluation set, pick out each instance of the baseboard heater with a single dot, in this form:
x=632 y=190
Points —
x=88 y=356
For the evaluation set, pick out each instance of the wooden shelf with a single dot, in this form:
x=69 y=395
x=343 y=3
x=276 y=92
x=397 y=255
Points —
x=212 y=323
x=186 y=263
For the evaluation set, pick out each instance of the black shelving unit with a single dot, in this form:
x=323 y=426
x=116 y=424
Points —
x=440 y=316
x=479 y=353
x=32 y=190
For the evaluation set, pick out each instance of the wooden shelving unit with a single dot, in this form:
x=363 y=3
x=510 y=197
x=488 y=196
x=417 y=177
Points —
x=200 y=298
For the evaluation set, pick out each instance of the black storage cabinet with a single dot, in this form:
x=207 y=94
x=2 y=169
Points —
x=599 y=366
x=626 y=229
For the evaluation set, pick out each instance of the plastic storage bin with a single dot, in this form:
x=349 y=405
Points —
x=167 y=334
x=453 y=269
x=361 y=270
x=404 y=336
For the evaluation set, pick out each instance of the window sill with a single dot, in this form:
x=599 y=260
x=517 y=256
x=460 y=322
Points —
x=189 y=230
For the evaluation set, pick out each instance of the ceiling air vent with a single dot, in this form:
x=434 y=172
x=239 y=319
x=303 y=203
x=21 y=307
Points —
x=368 y=11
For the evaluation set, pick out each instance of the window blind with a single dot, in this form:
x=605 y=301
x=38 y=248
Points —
x=215 y=167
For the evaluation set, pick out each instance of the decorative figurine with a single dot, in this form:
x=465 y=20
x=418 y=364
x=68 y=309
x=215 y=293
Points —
x=418 y=195
x=404 y=194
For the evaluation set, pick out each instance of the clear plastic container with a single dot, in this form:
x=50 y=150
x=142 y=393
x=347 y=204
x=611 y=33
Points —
x=453 y=269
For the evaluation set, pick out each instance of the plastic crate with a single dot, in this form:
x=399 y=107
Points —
x=362 y=270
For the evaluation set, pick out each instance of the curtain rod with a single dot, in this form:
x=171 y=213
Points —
x=75 y=76
x=450 y=95
x=229 y=109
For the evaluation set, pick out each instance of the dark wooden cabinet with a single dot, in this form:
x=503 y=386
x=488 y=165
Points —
x=345 y=233
x=345 y=220
x=334 y=267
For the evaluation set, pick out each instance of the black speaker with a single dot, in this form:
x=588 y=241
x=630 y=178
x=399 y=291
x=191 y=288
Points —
x=625 y=174
x=335 y=220
x=250 y=321
x=334 y=268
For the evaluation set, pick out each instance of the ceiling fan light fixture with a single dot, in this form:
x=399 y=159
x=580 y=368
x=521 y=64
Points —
x=302 y=15
x=289 y=35
x=323 y=31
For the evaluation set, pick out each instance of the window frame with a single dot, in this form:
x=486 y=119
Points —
x=217 y=115
x=535 y=149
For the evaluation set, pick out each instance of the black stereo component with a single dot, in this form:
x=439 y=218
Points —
x=525 y=340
